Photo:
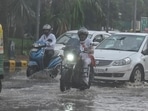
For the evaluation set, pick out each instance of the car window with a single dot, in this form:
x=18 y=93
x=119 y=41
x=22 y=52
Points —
x=64 y=38
x=122 y=42
x=106 y=36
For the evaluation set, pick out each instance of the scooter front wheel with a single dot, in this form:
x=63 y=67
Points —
x=56 y=71
x=30 y=71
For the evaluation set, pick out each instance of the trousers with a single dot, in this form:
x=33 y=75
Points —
x=86 y=69
x=47 y=56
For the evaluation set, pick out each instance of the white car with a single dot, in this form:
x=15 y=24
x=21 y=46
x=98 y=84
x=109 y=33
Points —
x=95 y=36
x=122 y=57
x=114 y=31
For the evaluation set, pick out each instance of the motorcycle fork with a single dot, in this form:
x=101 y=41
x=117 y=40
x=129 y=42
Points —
x=71 y=75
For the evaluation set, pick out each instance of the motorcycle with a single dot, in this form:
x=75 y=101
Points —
x=36 y=61
x=72 y=69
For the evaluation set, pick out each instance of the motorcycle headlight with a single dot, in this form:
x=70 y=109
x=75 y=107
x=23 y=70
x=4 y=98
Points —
x=122 y=62
x=70 y=57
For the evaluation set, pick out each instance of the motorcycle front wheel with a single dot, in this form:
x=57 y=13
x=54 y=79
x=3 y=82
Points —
x=31 y=70
x=65 y=80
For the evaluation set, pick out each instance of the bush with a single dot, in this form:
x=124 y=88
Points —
x=22 y=46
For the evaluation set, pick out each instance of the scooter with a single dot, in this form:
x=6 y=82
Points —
x=72 y=69
x=36 y=61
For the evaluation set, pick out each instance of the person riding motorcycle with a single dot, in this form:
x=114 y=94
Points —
x=50 y=41
x=87 y=51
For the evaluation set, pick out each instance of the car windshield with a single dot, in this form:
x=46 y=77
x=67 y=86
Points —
x=122 y=42
x=63 y=39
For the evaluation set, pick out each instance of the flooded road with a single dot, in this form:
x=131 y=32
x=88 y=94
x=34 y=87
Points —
x=22 y=94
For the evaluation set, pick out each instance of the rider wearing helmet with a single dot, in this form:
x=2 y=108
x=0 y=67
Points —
x=85 y=42
x=50 y=41
x=86 y=51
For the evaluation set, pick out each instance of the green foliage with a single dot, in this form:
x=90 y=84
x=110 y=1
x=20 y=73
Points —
x=22 y=46
x=71 y=14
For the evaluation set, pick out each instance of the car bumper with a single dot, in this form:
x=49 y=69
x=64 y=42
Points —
x=115 y=73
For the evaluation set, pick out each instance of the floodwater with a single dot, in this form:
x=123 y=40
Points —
x=22 y=94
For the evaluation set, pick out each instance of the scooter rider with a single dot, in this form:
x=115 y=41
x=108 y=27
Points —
x=86 y=52
x=50 y=41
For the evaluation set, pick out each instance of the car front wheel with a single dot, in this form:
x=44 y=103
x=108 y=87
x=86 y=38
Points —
x=137 y=75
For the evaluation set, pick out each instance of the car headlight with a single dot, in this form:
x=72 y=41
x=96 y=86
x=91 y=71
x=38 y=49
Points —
x=122 y=62
x=70 y=57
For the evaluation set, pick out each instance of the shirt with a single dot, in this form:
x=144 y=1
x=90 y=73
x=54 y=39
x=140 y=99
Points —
x=49 y=44
x=85 y=45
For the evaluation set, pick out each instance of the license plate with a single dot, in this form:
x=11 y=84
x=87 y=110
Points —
x=99 y=70
x=34 y=50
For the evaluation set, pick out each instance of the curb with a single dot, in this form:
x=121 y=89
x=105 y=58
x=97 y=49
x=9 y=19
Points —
x=13 y=63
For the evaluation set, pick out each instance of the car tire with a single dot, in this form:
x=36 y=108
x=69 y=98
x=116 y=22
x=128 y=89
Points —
x=137 y=75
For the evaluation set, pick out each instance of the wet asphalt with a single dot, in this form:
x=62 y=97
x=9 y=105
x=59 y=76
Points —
x=20 y=93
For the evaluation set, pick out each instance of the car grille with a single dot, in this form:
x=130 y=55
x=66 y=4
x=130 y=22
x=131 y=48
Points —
x=103 y=62
x=110 y=74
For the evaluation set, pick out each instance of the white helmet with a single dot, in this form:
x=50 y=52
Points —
x=82 y=30
x=46 y=27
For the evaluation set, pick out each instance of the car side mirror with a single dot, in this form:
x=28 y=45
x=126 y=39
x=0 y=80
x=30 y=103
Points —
x=98 y=39
x=145 y=52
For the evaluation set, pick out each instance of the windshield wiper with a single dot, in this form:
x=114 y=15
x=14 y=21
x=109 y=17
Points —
x=122 y=38
x=132 y=50
x=61 y=43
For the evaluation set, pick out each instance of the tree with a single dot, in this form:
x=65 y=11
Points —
x=71 y=14
x=20 y=15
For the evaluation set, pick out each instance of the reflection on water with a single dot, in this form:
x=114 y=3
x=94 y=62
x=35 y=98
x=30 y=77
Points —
x=105 y=97
x=76 y=100
x=68 y=107
x=13 y=69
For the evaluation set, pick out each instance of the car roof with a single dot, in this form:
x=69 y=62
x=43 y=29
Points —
x=129 y=33
x=113 y=31
x=90 y=32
